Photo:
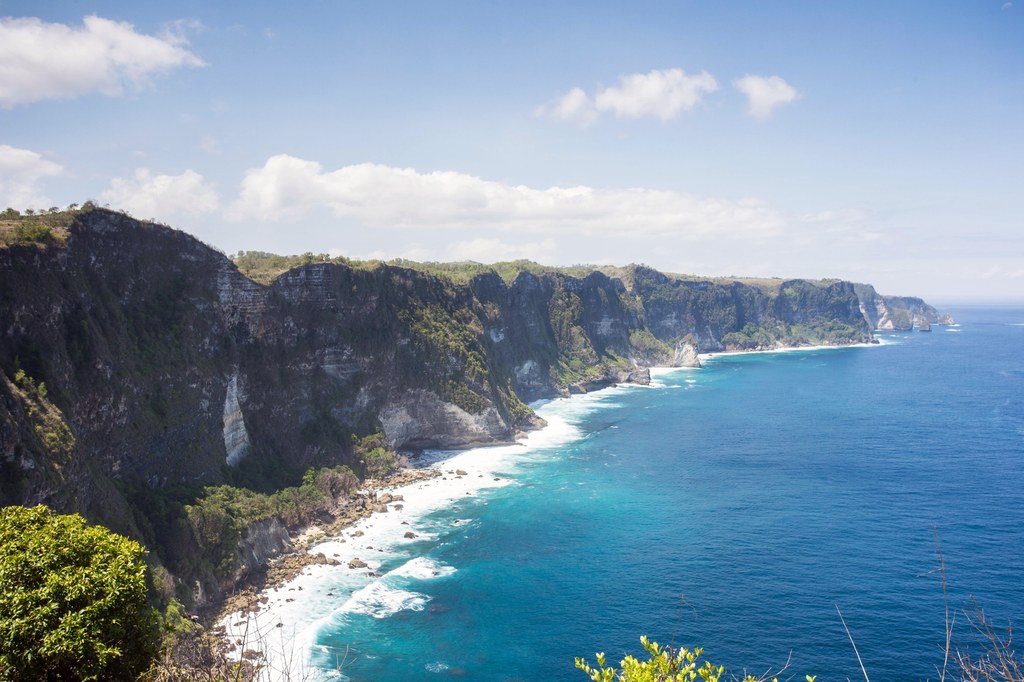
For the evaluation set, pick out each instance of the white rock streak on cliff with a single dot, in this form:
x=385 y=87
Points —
x=236 y=437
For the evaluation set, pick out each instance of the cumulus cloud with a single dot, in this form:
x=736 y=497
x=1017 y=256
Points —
x=158 y=196
x=287 y=187
x=658 y=94
x=574 y=106
x=661 y=94
x=21 y=172
x=765 y=93
x=41 y=60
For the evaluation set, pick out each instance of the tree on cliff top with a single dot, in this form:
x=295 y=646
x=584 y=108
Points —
x=72 y=600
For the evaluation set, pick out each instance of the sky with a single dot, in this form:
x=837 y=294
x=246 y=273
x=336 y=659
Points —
x=875 y=141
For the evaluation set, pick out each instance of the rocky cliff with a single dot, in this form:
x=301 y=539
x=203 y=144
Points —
x=136 y=359
x=896 y=313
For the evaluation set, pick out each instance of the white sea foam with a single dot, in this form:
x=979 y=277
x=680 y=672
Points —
x=422 y=568
x=659 y=372
x=379 y=599
x=887 y=341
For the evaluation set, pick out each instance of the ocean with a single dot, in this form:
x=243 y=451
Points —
x=733 y=507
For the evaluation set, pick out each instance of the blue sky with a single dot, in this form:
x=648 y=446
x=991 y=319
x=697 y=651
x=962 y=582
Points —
x=873 y=141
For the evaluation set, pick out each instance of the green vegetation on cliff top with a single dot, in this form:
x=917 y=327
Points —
x=38 y=227
x=264 y=267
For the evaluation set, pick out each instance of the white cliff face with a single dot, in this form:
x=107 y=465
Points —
x=236 y=437
x=686 y=355
x=879 y=318
x=422 y=419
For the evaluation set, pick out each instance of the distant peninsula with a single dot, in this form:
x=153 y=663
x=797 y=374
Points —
x=140 y=367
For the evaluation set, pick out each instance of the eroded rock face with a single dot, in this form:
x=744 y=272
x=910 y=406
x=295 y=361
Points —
x=264 y=540
x=896 y=313
x=421 y=419
x=686 y=355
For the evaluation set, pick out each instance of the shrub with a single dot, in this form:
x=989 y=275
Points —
x=663 y=664
x=32 y=233
x=375 y=455
x=72 y=600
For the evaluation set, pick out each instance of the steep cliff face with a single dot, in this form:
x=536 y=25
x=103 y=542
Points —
x=125 y=329
x=738 y=316
x=164 y=366
x=136 y=359
x=896 y=313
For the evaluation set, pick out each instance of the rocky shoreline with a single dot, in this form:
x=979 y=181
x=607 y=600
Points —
x=251 y=591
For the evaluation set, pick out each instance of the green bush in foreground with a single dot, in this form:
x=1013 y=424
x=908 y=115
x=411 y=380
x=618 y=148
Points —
x=72 y=600
x=663 y=665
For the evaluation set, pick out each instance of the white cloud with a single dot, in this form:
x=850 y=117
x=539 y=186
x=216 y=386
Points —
x=574 y=106
x=157 y=196
x=661 y=94
x=40 y=60
x=287 y=187
x=493 y=250
x=765 y=93
x=21 y=171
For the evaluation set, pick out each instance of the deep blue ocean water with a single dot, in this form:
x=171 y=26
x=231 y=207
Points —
x=733 y=508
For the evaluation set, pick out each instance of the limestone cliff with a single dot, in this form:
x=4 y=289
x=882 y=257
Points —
x=136 y=360
x=896 y=313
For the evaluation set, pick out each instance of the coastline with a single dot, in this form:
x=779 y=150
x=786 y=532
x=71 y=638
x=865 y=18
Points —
x=349 y=568
x=352 y=555
x=285 y=567
x=792 y=349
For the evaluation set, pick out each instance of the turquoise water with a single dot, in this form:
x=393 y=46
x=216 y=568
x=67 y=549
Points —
x=731 y=507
